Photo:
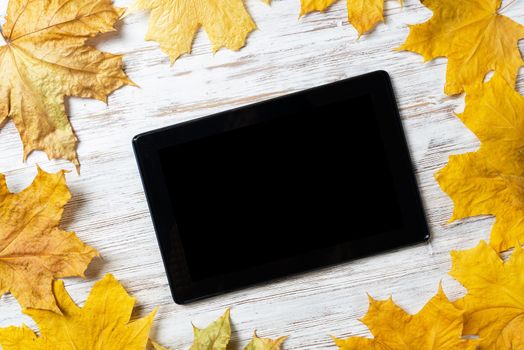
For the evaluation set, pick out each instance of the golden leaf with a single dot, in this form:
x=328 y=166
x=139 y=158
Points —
x=474 y=37
x=364 y=15
x=33 y=249
x=46 y=58
x=103 y=323
x=258 y=343
x=490 y=181
x=174 y=23
x=494 y=303
x=215 y=336
x=437 y=326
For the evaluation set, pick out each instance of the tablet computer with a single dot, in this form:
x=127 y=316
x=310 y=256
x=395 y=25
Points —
x=282 y=186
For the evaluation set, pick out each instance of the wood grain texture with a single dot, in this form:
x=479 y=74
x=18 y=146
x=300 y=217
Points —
x=108 y=209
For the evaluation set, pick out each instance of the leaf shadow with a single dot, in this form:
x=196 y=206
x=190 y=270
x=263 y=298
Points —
x=234 y=343
x=72 y=209
x=69 y=217
x=104 y=37
x=94 y=269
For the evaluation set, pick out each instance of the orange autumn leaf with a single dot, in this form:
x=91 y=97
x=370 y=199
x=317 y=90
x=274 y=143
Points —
x=174 y=23
x=474 y=37
x=494 y=303
x=364 y=15
x=437 y=326
x=33 y=249
x=490 y=181
x=102 y=323
x=46 y=58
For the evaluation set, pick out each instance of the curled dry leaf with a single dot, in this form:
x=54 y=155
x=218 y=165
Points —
x=474 y=37
x=490 y=181
x=46 y=58
x=33 y=249
x=364 y=15
x=174 y=23
x=103 y=323
x=437 y=326
x=494 y=303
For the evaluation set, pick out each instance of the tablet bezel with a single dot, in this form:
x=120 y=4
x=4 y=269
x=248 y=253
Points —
x=147 y=146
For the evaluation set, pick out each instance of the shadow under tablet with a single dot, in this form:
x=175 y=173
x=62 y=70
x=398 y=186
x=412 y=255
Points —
x=282 y=186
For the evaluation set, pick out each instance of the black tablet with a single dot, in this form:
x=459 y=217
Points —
x=282 y=186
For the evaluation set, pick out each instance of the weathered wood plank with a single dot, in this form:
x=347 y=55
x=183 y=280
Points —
x=286 y=54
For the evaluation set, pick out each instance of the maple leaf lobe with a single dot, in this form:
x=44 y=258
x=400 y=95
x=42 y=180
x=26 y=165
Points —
x=174 y=23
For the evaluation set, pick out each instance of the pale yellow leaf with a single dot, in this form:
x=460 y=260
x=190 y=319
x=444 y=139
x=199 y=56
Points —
x=258 y=343
x=215 y=336
x=174 y=23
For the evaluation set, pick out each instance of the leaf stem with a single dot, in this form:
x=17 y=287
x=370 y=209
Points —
x=507 y=5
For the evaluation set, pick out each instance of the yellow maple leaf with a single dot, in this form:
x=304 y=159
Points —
x=103 y=322
x=474 y=37
x=490 y=181
x=174 y=23
x=364 y=15
x=437 y=326
x=494 y=303
x=46 y=58
x=258 y=343
x=33 y=249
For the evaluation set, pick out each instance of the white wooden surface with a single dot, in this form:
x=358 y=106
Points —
x=286 y=54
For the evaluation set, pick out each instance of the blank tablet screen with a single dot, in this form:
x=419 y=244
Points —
x=311 y=179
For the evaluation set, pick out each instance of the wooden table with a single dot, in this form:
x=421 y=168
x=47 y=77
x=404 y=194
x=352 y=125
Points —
x=108 y=209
